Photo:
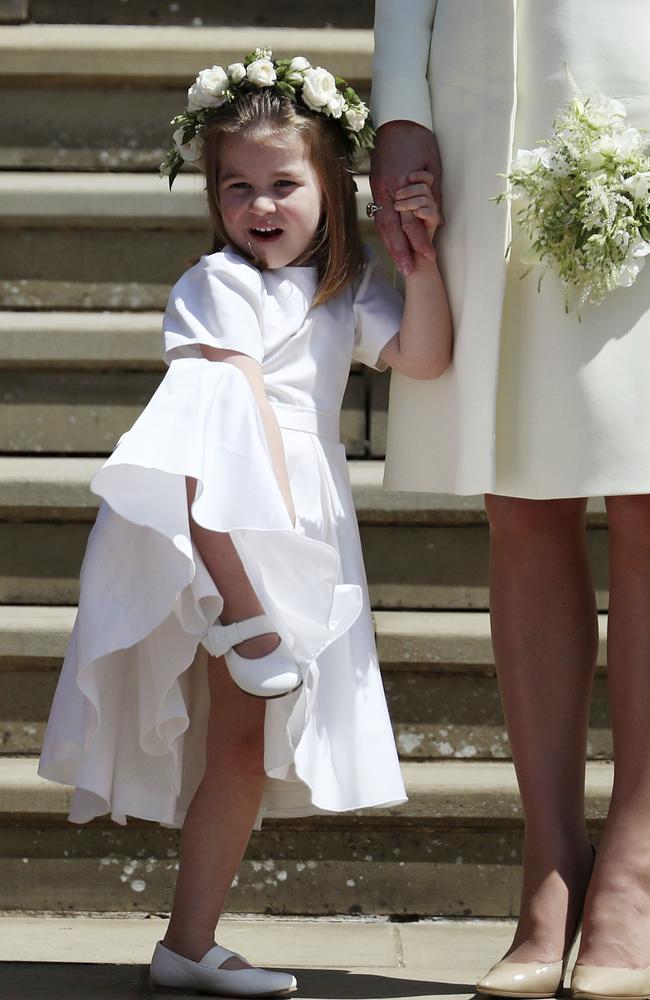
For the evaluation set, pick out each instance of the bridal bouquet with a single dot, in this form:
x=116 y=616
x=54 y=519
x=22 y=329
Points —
x=586 y=199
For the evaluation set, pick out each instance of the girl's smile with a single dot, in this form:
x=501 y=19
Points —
x=270 y=197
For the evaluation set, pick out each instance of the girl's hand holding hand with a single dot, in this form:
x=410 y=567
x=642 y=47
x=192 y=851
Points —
x=418 y=199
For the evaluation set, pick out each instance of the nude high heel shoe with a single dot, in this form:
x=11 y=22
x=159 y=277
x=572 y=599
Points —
x=602 y=982
x=529 y=980
x=270 y=676
x=524 y=979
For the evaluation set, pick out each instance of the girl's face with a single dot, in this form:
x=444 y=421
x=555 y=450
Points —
x=270 y=197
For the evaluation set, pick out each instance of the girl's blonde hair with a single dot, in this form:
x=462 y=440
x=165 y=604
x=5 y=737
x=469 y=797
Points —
x=337 y=251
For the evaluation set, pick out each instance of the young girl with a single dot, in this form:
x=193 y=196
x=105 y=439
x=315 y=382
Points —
x=228 y=523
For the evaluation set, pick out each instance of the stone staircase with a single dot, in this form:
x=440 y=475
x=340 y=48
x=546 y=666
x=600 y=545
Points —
x=90 y=242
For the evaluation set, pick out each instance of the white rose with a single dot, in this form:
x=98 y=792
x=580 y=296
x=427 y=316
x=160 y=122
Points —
x=356 y=116
x=600 y=109
x=638 y=185
x=602 y=150
x=190 y=151
x=640 y=248
x=208 y=90
x=628 y=141
x=236 y=72
x=528 y=160
x=296 y=70
x=319 y=87
x=630 y=272
x=261 y=73
x=336 y=106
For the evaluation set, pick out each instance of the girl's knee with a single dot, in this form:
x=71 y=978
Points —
x=240 y=751
x=527 y=520
x=629 y=517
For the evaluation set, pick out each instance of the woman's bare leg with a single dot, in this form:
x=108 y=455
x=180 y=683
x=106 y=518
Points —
x=617 y=917
x=220 y=819
x=545 y=638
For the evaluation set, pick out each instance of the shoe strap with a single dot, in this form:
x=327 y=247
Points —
x=216 y=957
x=221 y=638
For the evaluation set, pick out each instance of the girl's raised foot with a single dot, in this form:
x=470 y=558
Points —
x=270 y=676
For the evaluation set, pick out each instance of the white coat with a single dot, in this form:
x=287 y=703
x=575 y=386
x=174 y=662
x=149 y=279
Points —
x=533 y=404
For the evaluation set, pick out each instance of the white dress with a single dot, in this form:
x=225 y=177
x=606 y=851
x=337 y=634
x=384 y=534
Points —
x=534 y=404
x=128 y=722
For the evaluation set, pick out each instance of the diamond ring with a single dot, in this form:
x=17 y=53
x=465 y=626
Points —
x=372 y=208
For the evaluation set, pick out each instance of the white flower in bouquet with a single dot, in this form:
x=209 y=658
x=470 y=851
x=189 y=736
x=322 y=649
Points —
x=209 y=90
x=528 y=160
x=638 y=185
x=585 y=197
x=599 y=109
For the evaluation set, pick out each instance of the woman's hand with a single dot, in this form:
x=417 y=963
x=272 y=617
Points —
x=402 y=147
x=417 y=198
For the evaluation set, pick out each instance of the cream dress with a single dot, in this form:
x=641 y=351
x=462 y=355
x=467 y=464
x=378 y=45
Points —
x=535 y=404
x=128 y=722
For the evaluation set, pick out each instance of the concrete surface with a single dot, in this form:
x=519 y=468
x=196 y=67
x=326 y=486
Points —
x=88 y=200
x=464 y=791
x=333 y=959
x=30 y=483
x=143 y=53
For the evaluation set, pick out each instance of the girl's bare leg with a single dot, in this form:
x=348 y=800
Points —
x=617 y=918
x=239 y=599
x=220 y=819
x=221 y=815
x=545 y=637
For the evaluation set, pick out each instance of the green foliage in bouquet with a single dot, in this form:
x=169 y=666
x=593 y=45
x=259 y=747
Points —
x=585 y=197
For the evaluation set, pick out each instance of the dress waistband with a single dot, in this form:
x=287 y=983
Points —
x=322 y=423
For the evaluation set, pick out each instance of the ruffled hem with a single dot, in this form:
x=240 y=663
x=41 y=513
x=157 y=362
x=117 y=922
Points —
x=118 y=730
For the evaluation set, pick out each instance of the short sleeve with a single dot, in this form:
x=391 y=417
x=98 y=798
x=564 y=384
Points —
x=378 y=309
x=218 y=303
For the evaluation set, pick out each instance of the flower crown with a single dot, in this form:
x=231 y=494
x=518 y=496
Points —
x=295 y=78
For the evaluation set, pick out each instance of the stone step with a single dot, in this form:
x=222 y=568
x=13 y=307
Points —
x=79 y=957
x=96 y=72
x=105 y=241
x=422 y=551
x=437 y=667
x=197 y=13
x=45 y=488
x=452 y=850
x=80 y=341
x=74 y=382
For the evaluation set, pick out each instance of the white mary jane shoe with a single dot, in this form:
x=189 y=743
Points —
x=270 y=676
x=170 y=971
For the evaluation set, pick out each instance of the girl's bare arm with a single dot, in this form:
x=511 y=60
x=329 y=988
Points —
x=423 y=347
